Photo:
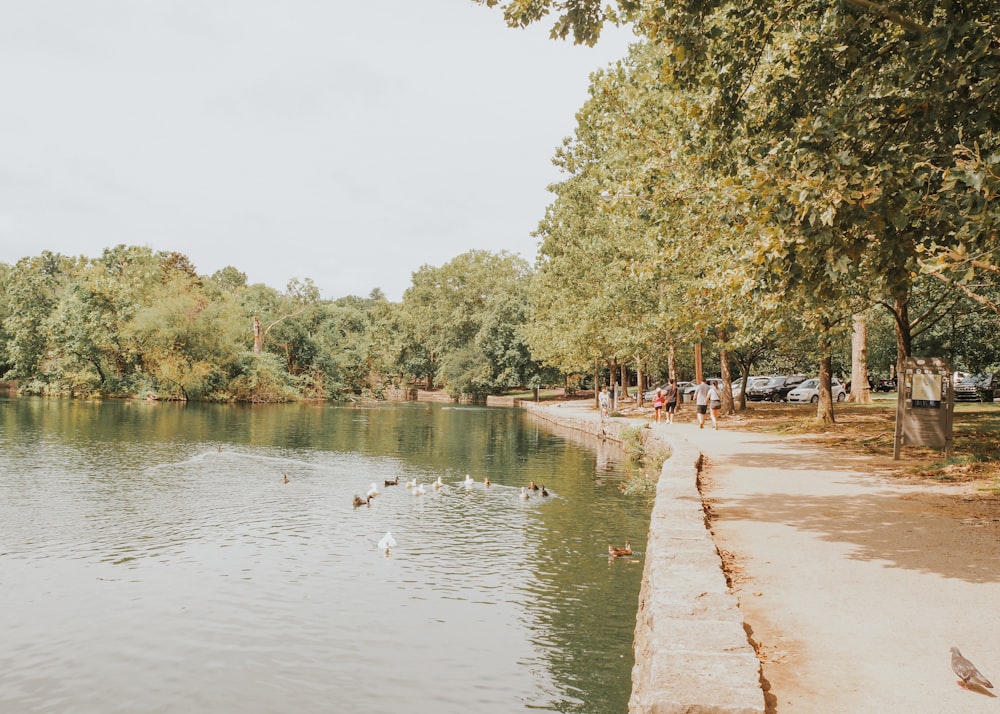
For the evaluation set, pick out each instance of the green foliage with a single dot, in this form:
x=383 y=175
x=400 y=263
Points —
x=634 y=443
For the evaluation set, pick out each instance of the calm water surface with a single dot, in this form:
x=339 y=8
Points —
x=151 y=560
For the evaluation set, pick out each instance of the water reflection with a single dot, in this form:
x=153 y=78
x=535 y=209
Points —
x=153 y=560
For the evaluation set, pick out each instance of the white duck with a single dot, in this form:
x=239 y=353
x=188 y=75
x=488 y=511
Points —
x=524 y=493
x=373 y=491
x=412 y=483
x=419 y=490
x=387 y=542
x=468 y=481
x=438 y=484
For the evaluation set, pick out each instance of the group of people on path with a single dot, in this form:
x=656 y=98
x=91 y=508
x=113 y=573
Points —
x=707 y=400
x=665 y=400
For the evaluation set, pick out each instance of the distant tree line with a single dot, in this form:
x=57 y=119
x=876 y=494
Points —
x=136 y=322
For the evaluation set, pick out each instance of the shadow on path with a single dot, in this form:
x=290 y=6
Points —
x=904 y=531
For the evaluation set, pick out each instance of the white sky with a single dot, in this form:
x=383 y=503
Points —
x=346 y=142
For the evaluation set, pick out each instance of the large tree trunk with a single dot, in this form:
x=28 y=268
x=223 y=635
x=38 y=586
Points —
x=860 y=389
x=639 y=386
x=597 y=384
x=824 y=409
x=726 y=373
x=904 y=340
x=698 y=370
x=671 y=362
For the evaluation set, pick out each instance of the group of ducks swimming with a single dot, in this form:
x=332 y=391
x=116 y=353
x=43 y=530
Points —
x=418 y=489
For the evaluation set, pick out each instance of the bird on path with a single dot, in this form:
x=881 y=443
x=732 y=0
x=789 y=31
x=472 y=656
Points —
x=967 y=672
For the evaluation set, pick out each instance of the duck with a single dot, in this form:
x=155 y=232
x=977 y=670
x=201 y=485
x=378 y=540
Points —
x=486 y=482
x=468 y=480
x=358 y=501
x=438 y=484
x=524 y=493
x=284 y=478
x=373 y=491
x=387 y=542
x=411 y=483
x=394 y=482
x=544 y=492
x=620 y=552
x=532 y=486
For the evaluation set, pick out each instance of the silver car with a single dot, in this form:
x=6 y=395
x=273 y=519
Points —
x=808 y=392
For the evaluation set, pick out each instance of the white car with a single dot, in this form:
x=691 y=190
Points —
x=751 y=381
x=808 y=392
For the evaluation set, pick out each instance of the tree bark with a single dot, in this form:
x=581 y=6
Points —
x=824 y=409
x=860 y=389
x=904 y=340
x=726 y=373
x=597 y=384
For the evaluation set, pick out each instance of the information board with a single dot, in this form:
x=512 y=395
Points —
x=925 y=405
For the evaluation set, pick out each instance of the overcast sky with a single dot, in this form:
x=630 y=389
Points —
x=346 y=142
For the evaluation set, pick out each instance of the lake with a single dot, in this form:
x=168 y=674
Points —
x=153 y=560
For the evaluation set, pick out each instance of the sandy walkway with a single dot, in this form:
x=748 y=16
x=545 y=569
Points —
x=854 y=586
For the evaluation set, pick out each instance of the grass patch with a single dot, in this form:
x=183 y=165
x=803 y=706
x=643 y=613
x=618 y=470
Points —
x=643 y=466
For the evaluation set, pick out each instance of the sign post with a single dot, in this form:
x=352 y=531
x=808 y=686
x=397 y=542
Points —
x=925 y=405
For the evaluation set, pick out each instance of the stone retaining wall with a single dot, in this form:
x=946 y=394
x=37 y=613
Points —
x=692 y=655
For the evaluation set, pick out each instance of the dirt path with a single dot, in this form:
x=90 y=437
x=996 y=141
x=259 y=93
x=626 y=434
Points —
x=855 y=586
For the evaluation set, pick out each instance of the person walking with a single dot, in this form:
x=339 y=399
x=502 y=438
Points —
x=714 y=404
x=658 y=402
x=701 y=401
x=605 y=402
x=670 y=399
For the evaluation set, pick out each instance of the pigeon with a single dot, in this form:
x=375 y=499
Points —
x=967 y=671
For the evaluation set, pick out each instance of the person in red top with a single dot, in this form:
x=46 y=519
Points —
x=658 y=402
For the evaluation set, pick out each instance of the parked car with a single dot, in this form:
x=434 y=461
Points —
x=775 y=389
x=978 y=388
x=681 y=386
x=885 y=385
x=751 y=381
x=808 y=392
x=989 y=388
